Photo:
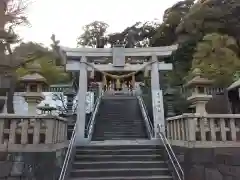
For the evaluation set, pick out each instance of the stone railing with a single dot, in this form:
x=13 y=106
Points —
x=32 y=133
x=212 y=130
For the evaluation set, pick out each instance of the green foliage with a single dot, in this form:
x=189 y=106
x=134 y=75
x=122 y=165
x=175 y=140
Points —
x=215 y=56
x=137 y=35
x=93 y=35
x=165 y=33
x=49 y=70
x=52 y=73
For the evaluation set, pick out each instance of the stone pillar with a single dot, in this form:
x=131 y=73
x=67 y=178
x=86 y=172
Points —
x=32 y=107
x=81 y=114
x=169 y=95
x=157 y=98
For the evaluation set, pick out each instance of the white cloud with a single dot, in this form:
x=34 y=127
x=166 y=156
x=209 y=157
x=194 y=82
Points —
x=66 y=18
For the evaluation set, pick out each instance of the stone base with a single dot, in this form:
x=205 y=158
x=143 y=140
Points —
x=34 y=166
x=209 y=163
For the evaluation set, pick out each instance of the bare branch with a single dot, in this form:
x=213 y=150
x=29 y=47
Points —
x=61 y=98
x=75 y=107
x=15 y=12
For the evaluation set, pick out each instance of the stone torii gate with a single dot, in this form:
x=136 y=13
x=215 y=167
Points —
x=82 y=60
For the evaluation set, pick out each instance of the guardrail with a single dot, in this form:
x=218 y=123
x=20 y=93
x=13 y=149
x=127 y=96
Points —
x=146 y=117
x=72 y=141
x=171 y=155
x=91 y=123
x=68 y=155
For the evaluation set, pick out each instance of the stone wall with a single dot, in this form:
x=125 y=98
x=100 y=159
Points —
x=209 y=163
x=36 y=166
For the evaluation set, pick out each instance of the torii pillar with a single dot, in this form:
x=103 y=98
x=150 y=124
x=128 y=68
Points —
x=81 y=114
x=157 y=98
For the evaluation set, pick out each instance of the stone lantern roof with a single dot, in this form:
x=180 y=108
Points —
x=198 y=80
x=35 y=77
x=46 y=107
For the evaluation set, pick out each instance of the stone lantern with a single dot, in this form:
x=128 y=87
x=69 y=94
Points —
x=70 y=94
x=34 y=83
x=46 y=109
x=198 y=88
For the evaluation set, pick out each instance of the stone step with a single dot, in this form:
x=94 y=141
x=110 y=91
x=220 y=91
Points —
x=150 y=177
x=120 y=124
x=118 y=151
x=113 y=128
x=133 y=137
x=118 y=133
x=125 y=172
x=122 y=145
x=119 y=119
x=101 y=158
x=118 y=138
x=119 y=164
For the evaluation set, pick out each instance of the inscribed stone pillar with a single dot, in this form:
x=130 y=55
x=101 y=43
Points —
x=81 y=112
x=157 y=98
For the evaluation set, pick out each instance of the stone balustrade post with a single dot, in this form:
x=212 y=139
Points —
x=12 y=133
x=233 y=129
x=191 y=129
x=24 y=131
x=222 y=129
x=212 y=129
x=1 y=130
x=36 y=131
x=49 y=131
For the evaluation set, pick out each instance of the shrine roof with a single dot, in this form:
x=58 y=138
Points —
x=234 y=85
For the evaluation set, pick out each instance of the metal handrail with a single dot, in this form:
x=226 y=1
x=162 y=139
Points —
x=92 y=119
x=68 y=154
x=171 y=155
x=72 y=141
x=144 y=110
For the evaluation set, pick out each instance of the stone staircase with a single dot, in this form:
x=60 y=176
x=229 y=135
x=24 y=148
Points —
x=120 y=148
x=119 y=117
x=121 y=162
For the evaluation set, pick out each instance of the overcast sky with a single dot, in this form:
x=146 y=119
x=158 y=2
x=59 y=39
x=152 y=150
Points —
x=65 y=18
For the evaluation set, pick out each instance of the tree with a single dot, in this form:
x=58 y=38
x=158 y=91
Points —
x=11 y=15
x=166 y=33
x=94 y=35
x=217 y=59
x=49 y=70
x=137 y=35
